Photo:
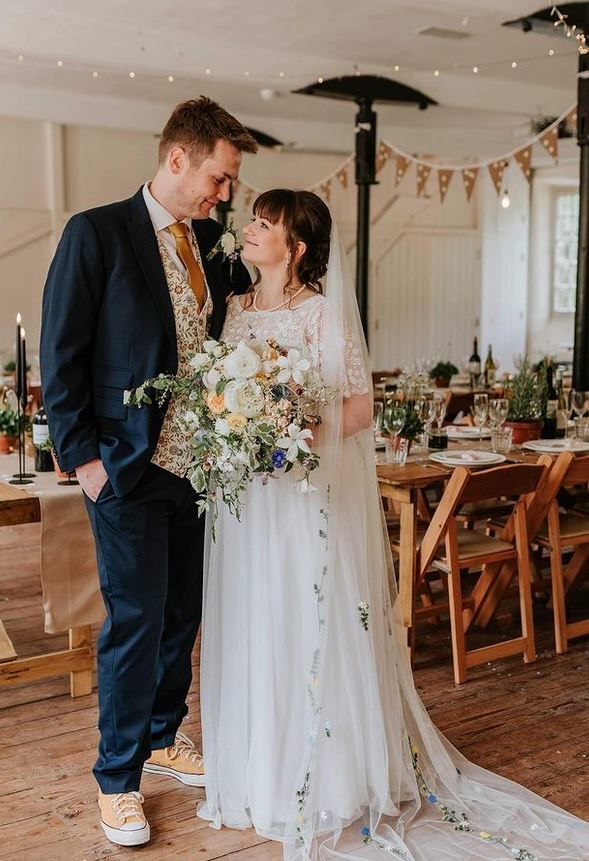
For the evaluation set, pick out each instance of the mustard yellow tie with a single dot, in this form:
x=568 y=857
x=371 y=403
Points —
x=179 y=231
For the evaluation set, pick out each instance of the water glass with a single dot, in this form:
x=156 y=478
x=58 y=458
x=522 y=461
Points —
x=579 y=402
x=397 y=451
x=501 y=439
x=582 y=429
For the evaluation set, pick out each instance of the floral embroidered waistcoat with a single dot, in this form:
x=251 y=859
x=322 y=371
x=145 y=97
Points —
x=173 y=449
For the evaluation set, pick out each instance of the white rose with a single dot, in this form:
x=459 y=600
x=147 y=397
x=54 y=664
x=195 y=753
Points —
x=210 y=379
x=242 y=363
x=243 y=397
x=199 y=360
x=209 y=346
x=228 y=243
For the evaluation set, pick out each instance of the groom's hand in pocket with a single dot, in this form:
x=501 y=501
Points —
x=92 y=477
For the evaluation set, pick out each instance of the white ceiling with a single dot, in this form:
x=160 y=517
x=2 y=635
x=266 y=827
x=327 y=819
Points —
x=302 y=39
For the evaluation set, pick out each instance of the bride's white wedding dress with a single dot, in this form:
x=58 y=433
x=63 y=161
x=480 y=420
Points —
x=313 y=732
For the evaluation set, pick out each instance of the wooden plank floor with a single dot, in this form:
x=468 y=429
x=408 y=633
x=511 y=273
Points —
x=530 y=723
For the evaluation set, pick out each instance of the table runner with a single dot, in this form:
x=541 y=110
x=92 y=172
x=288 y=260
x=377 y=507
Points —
x=69 y=578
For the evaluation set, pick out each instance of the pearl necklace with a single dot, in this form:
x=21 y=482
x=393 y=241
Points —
x=276 y=307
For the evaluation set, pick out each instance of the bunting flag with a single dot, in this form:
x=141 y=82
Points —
x=469 y=177
x=342 y=176
x=325 y=189
x=403 y=165
x=549 y=141
x=496 y=171
x=572 y=117
x=423 y=172
x=444 y=178
x=382 y=156
x=524 y=160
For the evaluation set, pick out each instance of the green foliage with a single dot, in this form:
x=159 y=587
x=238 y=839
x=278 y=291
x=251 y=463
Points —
x=445 y=370
x=413 y=427
x=9 y=422
x=527 y=393
x=10 y=367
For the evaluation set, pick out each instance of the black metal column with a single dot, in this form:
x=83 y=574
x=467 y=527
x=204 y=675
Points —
x=581 y=354
x=365 y=177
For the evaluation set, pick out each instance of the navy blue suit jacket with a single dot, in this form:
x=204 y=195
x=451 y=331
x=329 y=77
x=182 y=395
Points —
x=108 y=324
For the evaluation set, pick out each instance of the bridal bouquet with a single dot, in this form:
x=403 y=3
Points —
x=248 y=412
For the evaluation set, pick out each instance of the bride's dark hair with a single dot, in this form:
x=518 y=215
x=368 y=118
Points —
x=306 y=219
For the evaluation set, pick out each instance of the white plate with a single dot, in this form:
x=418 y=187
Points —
x=471 y=458
x=466 y=432
x=556 y=445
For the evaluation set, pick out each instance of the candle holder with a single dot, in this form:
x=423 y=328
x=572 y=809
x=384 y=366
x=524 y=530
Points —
x=69 y=481
x=21 y=477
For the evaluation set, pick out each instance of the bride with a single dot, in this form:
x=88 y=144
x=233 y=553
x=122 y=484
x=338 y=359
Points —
x=313 y=732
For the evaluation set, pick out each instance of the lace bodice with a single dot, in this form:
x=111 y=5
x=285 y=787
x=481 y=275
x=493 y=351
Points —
x=299 y=328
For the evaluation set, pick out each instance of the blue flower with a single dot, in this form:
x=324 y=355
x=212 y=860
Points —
x=365 y=831
x=433 y=798
x=278 y=459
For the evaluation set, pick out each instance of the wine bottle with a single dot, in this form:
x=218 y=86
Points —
x=43 y=459
x=549 y=429
x=490 y=369
x=474 y=365
x=562 y=415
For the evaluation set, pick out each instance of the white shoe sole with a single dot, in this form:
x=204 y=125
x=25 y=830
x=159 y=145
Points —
x=127 y=838
x=186 y=779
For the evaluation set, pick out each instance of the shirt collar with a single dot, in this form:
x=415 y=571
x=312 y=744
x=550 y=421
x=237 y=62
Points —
x=160 y=217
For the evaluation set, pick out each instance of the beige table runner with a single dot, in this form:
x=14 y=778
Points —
x=69 y=578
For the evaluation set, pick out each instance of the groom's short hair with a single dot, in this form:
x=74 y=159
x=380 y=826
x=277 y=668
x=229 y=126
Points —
x=197 y=125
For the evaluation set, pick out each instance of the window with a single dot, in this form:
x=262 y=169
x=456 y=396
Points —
x=566 y=225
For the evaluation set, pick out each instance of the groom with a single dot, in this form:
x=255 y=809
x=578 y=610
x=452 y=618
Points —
x=130 y=293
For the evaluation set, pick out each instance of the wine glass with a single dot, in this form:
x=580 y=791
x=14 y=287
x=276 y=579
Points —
x=425 y=410
x=480 y=411
x=377 y=418
x=439 y=410
x=579 y=402
x=498 y=409
x=393 y=418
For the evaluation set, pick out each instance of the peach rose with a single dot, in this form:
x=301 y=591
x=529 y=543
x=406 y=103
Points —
x=216 y=403
x=236 y=420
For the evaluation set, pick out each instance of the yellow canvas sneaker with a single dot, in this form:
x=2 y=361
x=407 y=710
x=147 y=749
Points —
x=122 y=818
x=181 y=761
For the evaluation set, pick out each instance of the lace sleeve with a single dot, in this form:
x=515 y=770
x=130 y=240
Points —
x=355 y=378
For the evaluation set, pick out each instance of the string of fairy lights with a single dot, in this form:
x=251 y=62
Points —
x=96 y=72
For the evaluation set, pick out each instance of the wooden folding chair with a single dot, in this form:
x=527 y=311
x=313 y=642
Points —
x=465 y=549
x=563 y=530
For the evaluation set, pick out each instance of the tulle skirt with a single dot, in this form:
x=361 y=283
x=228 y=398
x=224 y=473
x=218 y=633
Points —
x=313 y=733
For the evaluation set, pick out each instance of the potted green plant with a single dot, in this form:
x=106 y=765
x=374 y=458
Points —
x=526 y=392
x=442 y=373
x=8 y=430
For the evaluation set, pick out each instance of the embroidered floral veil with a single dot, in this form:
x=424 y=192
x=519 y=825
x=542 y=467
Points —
x=414 y=796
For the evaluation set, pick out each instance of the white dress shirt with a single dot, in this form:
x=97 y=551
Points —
x=161 y=220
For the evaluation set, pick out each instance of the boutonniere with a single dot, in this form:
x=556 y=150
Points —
x=228 y=245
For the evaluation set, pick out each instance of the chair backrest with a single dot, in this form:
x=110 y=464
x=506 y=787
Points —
x=511 y=480
x=578 y=472
x=465 y=486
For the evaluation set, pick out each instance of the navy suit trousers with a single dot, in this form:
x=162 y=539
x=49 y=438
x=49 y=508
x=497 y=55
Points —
x=149 y=546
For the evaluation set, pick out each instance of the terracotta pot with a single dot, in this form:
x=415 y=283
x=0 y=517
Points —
x=524 y=431
x=59 y=472
x=442 y=383
x=7 y=444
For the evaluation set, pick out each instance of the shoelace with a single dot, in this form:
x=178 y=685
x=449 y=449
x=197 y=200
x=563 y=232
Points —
x=184 y=748
x=127 y=805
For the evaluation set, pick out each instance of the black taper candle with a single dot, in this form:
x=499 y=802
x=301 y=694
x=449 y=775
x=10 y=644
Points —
x=24 y=391
x=17 y=378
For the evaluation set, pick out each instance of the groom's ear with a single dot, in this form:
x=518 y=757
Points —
x=177 y=158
